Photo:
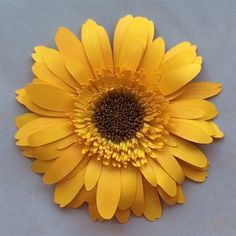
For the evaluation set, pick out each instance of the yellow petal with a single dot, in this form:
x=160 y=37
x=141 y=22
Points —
x=189 y=153
x=34 y=126
x=197 y=60
x=67 y=141
x=108 y=191
x=39 y=166
x=42 y=72
x=176 y=50
x=66 y=191
x=128 y=187
x=122 y=215
x=180 y=195
x=134 y=44
x=93 y=211
x=26 y=151
x=78 y=168
x=181 y=59
x=174 y=80
x=148 y=173
x=207 y=107
x=191 y=131
x=23 y=98
x=78 y=71
x=46 y=152
x=50 y=97
x=91 y=195
x=152 y=60
x=138 y=204
x=200 y=90
x=22 y=120
x=152 y=204
x=164 y=180
x=194 y=174
x=166 y=198
x=175 y=94
x=120 y=32
x=217 y=132
x=179 y=110
x=64 y=164
x=97 y=46
x=50 y=134
x=92 y=174
x=106 y=47
x=71 y=48
x=169 y=163
x=151 y=30
x=52 y=150
x=169 y=140
x=79 y=199
x=56 y=63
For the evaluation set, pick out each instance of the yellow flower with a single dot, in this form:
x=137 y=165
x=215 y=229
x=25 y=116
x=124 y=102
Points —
x=115 y=128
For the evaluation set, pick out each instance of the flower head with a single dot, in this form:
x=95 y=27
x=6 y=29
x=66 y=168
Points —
x=116 y=128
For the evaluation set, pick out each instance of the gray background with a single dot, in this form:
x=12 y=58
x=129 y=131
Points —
x=26 y=205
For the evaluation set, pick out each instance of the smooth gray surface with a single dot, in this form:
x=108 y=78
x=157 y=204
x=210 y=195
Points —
x=26 y=205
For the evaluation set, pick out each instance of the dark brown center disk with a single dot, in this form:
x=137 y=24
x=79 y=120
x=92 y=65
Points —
x=118 y=115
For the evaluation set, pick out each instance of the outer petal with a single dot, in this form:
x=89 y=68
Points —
x=174 y=80
x=167 y=199
x=148 y=173
x=134 y=44
x=97 y=46
x=93 y=211
x=217 y=132
x=24 y=99
x=50 y=134
x=152 y=60
x=152 y=207
x=200 y=90
x=56 y=63
x=120 y=31
x=42 y=72
x=123 y=215
x=180 y=195
x=72 y=49
x=78 y=71
x=189 y=153
x=79 y=199
x=41 y=167
x=64 y=164
x=49 y=97
x=186 y=111
x=176 y=50
x=108 y=191
x=52 y=150
x=83 y=163
x=23 y=119
x=168 y=162
x=209 y=109
x=92 y=174
x=194 y=174
x=191 y=131
x=34 y=126
x=138 y=205
x=167 y=183
x=181 y=59
x=128 y=187
x=67 y=190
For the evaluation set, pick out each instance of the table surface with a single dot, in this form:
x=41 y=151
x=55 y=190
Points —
x=26 y=205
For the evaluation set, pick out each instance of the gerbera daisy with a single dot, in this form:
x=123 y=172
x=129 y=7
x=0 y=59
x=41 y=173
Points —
x=116 y=128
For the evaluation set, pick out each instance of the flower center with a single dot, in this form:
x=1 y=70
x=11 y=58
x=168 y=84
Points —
x=118 y=115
